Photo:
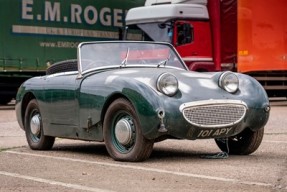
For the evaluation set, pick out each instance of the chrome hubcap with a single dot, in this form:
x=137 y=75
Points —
x=124 y=131
x=35 y=124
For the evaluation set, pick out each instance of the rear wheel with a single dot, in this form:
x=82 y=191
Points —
x=244 y=143
x=34 y=128
x=123 y=135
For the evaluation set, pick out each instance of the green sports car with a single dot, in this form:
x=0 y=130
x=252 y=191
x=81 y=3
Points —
x=131 y=94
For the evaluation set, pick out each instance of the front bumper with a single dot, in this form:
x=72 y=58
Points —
x=215 y=119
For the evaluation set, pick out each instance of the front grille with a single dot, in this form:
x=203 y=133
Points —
x=214 y=114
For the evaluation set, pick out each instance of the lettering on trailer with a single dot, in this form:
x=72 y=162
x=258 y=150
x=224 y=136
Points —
x=60 y=14
x=214 y=132
x=91 y=15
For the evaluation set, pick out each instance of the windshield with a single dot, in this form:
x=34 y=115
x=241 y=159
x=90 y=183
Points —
x=157 y=32
x=123 y=54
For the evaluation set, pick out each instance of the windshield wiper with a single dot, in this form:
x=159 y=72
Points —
x=164 y=61
x=124 y=62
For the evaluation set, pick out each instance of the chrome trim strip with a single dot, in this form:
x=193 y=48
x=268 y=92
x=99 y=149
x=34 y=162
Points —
x=129 y=66
x=211 y=102
x=62 y=74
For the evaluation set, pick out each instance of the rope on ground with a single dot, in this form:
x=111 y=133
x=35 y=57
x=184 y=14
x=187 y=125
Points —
x=220 y=155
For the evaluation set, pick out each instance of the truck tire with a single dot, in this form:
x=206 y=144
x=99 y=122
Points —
x=4 y=100
x=63 y=66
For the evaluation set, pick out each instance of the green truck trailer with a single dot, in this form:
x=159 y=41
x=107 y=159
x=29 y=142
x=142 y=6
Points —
x=34 y=34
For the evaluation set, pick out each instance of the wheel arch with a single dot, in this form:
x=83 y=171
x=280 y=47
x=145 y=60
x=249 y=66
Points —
x=108 y=102
x=145 y=107
x=25 y=101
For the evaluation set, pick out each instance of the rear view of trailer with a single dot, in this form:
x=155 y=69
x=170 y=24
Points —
x=262 y=43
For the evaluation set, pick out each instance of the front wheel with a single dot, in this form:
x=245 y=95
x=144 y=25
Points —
x=34 y=128
x=244 y=143
x=123 y=135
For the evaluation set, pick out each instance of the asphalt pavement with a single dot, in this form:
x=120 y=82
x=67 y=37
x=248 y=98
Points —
x=173 y=166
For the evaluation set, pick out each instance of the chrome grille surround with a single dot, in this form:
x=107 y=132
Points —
x=214 y=113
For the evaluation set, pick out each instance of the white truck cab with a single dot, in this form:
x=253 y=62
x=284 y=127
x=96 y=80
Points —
x=183 y=23
x=158 y=2
x=165 y=12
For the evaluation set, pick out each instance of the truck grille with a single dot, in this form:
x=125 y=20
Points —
x=214 y=114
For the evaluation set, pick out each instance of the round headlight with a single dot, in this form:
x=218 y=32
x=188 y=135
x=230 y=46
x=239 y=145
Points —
x=229 y=82
x=167 y=84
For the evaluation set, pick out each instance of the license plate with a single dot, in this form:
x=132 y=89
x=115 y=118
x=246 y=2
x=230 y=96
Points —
x=216 y=132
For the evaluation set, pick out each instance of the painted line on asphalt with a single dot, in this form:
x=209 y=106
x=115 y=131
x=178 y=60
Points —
x=51 y=182
x=269 y=141
x=161 y=171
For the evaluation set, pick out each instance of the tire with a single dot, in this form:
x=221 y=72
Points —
x=63 y=66
x=4 y=100
x=34 y=128
x=244 y=143
x=123 y=135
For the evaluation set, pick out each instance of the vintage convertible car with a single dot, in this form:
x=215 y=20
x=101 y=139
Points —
x=132 y=94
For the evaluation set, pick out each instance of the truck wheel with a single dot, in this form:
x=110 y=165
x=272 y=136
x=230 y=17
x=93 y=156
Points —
x=63 y=66
x=4 y=100
x=123 y=135
x=34 y=128
x=244 y=143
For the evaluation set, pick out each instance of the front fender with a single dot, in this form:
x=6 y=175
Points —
x=147 y=104
x=256 y=98
x=252 y=92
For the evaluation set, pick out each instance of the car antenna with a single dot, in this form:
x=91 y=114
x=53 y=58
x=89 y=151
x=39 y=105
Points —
x=124 y=62
x=164 y=61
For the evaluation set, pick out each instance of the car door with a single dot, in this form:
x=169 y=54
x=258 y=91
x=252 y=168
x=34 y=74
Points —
x=61 y=107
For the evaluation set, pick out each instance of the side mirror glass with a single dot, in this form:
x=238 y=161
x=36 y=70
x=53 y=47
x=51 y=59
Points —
x=184 y=33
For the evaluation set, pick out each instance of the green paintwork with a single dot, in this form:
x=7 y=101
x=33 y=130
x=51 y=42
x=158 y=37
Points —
x=34 y=33
x=37 y=33
x=74 y=106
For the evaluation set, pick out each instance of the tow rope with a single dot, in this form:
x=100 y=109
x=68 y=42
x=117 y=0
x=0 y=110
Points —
x=220 y=155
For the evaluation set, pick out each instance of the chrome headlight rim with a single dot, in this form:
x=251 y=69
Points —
x=167 y=84
x=229 y=82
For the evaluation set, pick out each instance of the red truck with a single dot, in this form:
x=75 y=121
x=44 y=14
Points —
x=247 y=36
